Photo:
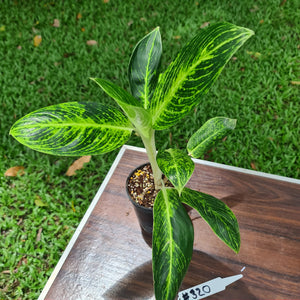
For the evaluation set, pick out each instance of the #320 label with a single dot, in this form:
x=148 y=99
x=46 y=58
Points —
x=208 y=288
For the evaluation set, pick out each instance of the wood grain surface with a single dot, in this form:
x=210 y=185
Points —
x=110 y=260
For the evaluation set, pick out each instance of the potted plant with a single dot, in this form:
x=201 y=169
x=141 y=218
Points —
x=156 y=102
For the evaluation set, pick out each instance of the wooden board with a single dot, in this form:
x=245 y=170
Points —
x=108 y=259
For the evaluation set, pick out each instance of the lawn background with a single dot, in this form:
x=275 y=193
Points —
x=259 y=87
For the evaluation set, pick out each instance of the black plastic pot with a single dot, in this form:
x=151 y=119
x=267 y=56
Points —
x=144 y=214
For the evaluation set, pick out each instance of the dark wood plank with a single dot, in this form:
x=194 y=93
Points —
x=110 y=260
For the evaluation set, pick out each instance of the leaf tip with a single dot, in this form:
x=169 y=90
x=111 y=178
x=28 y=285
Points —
x=12 y=129
x=232 y=124
x=237 y=250
x=251 y=32
x=237 y=247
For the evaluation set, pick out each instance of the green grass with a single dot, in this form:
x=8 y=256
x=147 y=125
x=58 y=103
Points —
x=255 y=87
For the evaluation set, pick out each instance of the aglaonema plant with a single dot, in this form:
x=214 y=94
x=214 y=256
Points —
x=156 y=102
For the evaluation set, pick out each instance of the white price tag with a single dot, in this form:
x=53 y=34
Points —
x=208 y=288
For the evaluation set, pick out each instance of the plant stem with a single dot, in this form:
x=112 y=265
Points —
x=149 y=143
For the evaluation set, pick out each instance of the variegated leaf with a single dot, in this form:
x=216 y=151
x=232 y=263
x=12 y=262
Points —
x=197 y=66
x=73 y=129
x=143 y=65
x=217 y=214
x=209 y=134
x=177 y=166
x=172 y=244
x=131 y=106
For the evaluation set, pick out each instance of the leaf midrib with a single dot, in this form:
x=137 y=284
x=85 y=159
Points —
x=200 y=145
x=170 y=244
x=195 y=149
x=84 y=125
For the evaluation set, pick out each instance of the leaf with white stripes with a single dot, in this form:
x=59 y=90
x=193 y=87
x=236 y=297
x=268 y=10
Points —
x=177 y=166
x=209 y=134
x=193 y=72
x=172 y=244
x=73 y=128
x=217 y=214
x=143 y=66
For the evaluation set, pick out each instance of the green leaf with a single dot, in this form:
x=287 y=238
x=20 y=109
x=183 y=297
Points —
x=73 y=129
x=217 y=214
x=209 y=134
x=172 y=244
x=177 y=166
x=197 y=66
x=131 y=106
x=143 y=65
